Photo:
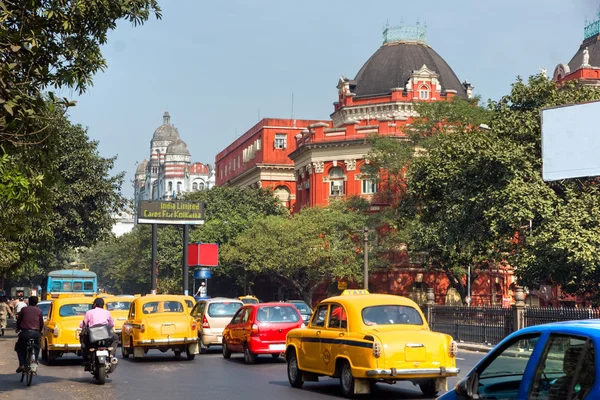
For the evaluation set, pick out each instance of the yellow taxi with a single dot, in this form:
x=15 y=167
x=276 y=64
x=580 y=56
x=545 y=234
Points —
x=161 y=322
x=61 y=329
x=364 y=338
x=248 y=299
x=118 y=306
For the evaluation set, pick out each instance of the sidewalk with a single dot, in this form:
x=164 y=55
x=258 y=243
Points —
x=61 y=382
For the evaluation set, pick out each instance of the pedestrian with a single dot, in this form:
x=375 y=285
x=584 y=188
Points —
x=19 y=306
x=5 y=312
x=201 y=290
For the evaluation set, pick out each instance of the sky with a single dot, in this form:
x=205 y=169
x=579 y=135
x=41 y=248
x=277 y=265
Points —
x=218 y=67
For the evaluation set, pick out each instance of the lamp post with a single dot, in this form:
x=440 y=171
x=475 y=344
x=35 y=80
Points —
x=366 y=259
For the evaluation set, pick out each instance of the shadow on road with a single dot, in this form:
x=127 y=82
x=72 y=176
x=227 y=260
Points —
x=261 y=359
x=382 y=391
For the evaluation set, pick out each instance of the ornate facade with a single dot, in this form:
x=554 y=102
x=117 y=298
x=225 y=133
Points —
x=170 y=171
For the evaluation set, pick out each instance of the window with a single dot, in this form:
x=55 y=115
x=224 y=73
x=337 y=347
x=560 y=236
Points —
x=338 y=319
x=320 y=316
x=238 y=317
x=67 y=286
x=280 y=141
x=336 y=177
x=501 y=377
x=73 y=310
x=170 y=187
x=194 y=186
x=178 y=187
x=77 y=286
x=118 y=305
x=567 y=366
x=87 y=286
x=223 y=309
x=278 y=314
x=424 y=93
x=368 y=186
x=201 y=186
x=391 y=315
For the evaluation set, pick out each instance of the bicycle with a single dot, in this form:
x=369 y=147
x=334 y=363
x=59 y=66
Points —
x=30 y=368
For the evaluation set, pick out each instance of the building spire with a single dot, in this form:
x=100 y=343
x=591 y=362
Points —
x=166 y=118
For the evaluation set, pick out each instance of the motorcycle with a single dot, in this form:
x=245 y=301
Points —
x=101 y=360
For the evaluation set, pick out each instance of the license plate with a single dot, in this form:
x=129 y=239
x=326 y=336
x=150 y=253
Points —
x=101 y=353
x=220 y=339
x=277 y=347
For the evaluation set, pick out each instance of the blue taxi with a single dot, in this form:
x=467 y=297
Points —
x=545 y=362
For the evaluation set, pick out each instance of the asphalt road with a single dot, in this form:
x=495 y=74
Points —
x=162 y=376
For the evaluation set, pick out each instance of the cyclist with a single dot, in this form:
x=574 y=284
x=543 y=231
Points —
x=94 y=317
x=30 y=322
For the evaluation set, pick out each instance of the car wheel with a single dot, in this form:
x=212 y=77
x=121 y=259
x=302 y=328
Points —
x=177 y=353
x=190 y=356
x=45 y=354
x=203 y=348
x=125 y=351
x=226 y=351
x=294 y=373
x=346 y=380
x=428 y=388
x=249 y=357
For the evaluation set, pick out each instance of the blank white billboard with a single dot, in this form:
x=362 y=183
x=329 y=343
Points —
x=571 y=141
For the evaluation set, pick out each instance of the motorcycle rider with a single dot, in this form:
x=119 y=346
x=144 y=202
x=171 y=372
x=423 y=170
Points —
x=94 y=317
x=30 y=322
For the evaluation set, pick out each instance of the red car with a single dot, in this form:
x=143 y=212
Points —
x=260 y=329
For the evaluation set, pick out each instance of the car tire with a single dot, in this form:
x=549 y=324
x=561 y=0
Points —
x=177 y=353
x=226 y=351
x=346 y=380
x=190 y=356
x=249 y=357
x=45 y=355
x=294 y=373
x=428 y=388
x=203 y=348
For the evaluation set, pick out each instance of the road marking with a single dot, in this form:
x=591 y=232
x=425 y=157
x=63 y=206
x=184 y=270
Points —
x=461 y=359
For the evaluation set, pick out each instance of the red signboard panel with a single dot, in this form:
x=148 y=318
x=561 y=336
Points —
x=203 y=255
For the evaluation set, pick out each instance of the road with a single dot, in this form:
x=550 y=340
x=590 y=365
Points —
x=162 y=376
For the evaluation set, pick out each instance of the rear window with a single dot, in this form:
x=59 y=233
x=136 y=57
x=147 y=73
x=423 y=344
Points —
x=72 y=310
x=277 y=314
x=118 y=305
x=391 y=315
x=223 y=309
x=250 y=301
x=154 y=307
x=302 y=307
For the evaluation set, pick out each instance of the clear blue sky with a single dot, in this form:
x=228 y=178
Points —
x=214 y=65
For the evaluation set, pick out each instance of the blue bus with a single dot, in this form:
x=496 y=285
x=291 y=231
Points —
x=71 y=283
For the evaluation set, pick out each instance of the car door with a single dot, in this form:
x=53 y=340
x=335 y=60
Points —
x=332 y=338
x=506 y=373
x=567 y=369
x=229 y=334
x=311 y=341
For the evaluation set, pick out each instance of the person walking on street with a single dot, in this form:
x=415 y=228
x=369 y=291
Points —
x=20 y=305
x=5 y=312
x=30 y=322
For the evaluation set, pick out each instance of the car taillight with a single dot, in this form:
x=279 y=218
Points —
x=55 y=332
x=194 y=325
x=205 y=324
x=255 y=331
x=453 y=350
x=143 y=328
x=376 y=349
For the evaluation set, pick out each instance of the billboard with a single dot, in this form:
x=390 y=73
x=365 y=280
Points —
x=570 y=141
x=170 y=212
x=203 y=255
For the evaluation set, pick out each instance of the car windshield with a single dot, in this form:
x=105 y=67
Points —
x=223 y=309
x=75 y=309
x=118 y=305
x=170 y=306
x=391 y=315
x=249 y=301
x=44 y=307
x=302 y=307
x=277 y=314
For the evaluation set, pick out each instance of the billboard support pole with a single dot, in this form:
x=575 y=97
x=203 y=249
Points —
x=154 y=260
x=185 y=267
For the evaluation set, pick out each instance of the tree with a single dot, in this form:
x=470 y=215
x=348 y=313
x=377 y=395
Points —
x=302 y=251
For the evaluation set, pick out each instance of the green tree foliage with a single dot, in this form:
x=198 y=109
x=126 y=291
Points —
x=124 y=263
x=303 y=251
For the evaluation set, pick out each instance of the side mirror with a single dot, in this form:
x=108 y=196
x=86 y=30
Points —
x=465 y=388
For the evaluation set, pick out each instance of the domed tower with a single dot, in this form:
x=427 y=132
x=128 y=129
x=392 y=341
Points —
x=139 y=183
x=163 y=136
x=329 y=160
x=175 y=168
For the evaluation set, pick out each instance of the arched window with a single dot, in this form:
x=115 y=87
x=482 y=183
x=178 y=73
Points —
x=178 y=187
x=201 y=186
x=424 y=93
x=170 y=187
x=336 y=178
x=369 y=186
x=283 y=194
x=194 y=186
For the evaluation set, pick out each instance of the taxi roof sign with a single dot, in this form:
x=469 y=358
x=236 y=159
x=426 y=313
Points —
x=349 y=292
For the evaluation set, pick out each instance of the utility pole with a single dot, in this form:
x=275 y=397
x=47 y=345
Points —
x=185 y=267
x=154 y=284
x=366 y=259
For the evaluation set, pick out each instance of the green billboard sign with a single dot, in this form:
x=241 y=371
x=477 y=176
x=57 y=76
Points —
x=170 y=212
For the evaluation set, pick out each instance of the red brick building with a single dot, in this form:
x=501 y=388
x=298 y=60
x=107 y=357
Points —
x=260 y=157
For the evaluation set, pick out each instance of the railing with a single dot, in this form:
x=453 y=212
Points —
x=472 y=324
x=543 y=315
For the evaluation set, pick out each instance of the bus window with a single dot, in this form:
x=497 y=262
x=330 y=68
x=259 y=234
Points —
x=56 y=285
x=87 y=286
x=77 y=286
x=66 y=286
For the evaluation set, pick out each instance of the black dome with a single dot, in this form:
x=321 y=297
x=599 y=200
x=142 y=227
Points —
x=392 y=64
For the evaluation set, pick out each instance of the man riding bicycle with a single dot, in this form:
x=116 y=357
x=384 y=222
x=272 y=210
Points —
x=94 y=317
x=30 y=322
